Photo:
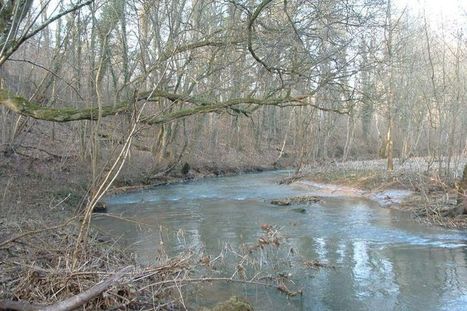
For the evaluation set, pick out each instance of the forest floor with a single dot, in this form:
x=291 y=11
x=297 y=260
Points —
x=413 y=186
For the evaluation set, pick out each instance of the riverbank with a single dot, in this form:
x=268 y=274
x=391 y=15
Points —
x=40 y=263
x=39 y=225
x=427 y=196
x=192 y=174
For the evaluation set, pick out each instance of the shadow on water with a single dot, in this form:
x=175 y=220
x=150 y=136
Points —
x=383 y=260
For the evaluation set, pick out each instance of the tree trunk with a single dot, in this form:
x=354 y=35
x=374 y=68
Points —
x=390 y=90
x=389 y=147
x=462 y=193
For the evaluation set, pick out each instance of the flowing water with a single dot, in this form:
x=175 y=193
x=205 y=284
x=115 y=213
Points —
x=381 y=259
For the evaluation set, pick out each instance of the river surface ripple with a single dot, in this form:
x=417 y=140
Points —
x=383 y=259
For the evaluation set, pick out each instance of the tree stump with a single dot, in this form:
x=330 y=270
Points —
x=462 y=193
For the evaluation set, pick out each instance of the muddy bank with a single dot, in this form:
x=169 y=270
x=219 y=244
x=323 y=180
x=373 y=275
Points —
x=389 y=197
x=425 y=196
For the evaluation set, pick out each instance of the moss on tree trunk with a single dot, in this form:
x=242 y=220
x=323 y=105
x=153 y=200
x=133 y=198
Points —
x=22 y=106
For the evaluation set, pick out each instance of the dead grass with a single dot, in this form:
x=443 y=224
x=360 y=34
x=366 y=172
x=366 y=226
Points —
x=37 y=269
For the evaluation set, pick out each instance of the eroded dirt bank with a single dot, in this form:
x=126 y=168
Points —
x=424 y=194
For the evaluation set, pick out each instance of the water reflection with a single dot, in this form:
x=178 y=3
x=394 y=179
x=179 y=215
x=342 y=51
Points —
x=383 y=260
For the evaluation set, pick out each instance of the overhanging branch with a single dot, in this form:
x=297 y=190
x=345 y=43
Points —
x=24 y=107
x=205 y=105
x=200 y=105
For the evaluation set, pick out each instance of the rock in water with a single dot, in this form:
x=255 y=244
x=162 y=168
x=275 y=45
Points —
x=186 y=168
x=100 y=207
x=279 y=202
x=299 y=210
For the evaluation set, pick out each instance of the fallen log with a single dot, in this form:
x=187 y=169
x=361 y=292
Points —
x=6 y=305
x=70 y=303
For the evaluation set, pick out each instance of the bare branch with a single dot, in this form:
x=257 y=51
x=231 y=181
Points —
x=17 y=43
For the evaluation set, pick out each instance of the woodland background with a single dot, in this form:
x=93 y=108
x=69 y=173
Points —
x=221 y=83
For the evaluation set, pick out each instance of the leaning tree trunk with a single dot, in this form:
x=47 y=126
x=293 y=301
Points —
x=462 y=193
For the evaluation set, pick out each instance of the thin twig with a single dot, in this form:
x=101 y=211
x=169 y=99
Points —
x=32 y=232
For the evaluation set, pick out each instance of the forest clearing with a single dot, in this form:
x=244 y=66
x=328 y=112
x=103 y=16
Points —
x=233 y=155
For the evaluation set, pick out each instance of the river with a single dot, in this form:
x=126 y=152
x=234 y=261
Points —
x=378 y=259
